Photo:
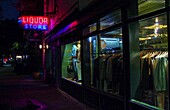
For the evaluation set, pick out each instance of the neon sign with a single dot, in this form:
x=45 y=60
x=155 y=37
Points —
x=34 y=22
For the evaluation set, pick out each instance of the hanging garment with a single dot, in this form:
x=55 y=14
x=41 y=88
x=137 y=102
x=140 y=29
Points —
x=114 y=73
x=114 y=67
x=160 y=74
x=147 y=74
x=102 y=70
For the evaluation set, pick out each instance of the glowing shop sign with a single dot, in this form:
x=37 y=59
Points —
x=34 y=22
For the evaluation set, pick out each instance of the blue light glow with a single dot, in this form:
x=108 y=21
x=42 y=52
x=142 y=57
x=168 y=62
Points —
x=36 y=26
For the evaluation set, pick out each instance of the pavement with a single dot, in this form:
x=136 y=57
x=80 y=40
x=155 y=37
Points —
x=23 y=92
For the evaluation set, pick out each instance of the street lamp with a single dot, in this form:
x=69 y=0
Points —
x=45 y=46
x=40 y=46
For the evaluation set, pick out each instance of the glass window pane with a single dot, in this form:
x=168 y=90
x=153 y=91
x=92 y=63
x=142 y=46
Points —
x=71 y=61
x=147 y=6
x=90 y=28
x=90 y=48
x=110 y=20
x=110 y=60
x=149 y=62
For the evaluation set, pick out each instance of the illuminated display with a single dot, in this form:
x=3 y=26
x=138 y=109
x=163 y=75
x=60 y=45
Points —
x=34 y=22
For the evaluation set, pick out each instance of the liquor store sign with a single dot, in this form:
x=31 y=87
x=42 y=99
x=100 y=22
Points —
x=34 y=22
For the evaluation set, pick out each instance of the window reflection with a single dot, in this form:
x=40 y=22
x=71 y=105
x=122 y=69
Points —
x=91 y=28
x=110 y=20
x=146 y=6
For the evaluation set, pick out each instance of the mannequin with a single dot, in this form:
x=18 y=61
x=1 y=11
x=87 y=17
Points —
x=76 y=61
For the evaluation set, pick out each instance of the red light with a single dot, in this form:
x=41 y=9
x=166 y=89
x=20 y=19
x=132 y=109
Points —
x=35 y=20
x=73 y=24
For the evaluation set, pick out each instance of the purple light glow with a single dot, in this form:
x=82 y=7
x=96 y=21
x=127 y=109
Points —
x=69 y=27
x=27 y=103
x=41 y=105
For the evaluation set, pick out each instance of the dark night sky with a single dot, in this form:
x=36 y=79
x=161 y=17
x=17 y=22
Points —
x=9 y=30
x=8 y=10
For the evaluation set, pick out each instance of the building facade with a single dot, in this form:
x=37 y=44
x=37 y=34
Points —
x=112 y=55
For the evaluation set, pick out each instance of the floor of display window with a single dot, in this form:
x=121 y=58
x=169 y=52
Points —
x=70 y=79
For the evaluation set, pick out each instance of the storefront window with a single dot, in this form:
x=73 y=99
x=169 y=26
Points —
x=111 y=62
x=103 y=62
x=149 y=62
x=110 y=19
x=147 y=6
x=91 y=28
x=71 y=62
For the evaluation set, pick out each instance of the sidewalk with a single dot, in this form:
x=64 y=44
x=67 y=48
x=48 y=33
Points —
x=21 y=92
